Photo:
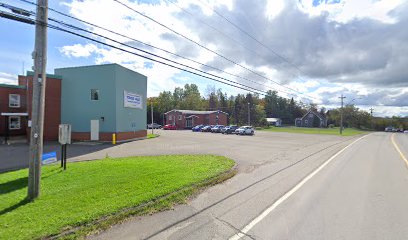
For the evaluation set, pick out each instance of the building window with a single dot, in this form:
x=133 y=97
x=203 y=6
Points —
x=14 y=123
x=180 y=117
x=14 y=100
x=95 y=94
x=170 y=117
x=306 y=122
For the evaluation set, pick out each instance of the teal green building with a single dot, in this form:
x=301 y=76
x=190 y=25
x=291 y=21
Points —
x=102 y=100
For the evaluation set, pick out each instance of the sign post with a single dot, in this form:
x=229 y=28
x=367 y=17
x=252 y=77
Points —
x=64 y=138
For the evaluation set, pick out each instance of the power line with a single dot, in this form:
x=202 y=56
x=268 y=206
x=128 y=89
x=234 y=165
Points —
x=161 y=49
x=31 y=21
x=252 y=37
x=206 y=48
x=152 y=54
x=220 y=32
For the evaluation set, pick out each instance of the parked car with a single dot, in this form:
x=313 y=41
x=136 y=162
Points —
x=217 y=128
x=169 y=127
x=154 y=126
x=197 y=128
x=245 y=130
x=206 y=128
x=229 y=129
x=388 y=129
x=406 y=131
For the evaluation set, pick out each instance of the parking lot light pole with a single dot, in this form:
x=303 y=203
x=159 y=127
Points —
x=341 y=114
x=249 y=115
x=151 y=109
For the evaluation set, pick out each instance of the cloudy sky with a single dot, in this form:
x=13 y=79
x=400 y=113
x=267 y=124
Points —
x=313 y=50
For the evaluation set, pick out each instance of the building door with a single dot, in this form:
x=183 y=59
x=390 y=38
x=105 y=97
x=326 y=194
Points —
x=94 y=130
x=189 y=122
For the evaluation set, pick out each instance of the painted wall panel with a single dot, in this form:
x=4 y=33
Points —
x=130 y=119
x=77 y=107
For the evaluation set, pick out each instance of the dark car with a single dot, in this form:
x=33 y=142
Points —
x=197 y=128
x=169 y=127
x=229 y=129
x=206 y=128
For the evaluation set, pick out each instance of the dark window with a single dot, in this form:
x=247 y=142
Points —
x=95 y=94
x=14 y=123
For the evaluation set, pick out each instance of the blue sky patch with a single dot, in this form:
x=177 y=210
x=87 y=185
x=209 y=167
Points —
x=318 y=2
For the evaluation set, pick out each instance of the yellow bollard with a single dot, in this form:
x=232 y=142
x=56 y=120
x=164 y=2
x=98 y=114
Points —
x=113 y=138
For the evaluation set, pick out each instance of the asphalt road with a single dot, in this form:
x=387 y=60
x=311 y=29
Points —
x=361 y=193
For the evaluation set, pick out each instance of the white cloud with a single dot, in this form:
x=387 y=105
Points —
x=7 y=78
x=79 y=50
x=346 y=10
x=332 y=57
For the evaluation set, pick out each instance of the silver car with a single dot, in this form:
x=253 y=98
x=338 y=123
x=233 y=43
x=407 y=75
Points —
x=245 y=130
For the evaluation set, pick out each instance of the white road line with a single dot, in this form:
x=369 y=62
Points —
x=265 y=213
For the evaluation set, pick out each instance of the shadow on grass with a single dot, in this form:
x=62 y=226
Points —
x=14 y=185
x=15 y=206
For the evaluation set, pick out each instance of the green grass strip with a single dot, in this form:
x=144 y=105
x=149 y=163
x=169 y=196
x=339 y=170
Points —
x=149 y=136
x=93 y=195
x=326 y=131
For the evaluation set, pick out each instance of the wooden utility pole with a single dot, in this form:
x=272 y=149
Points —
x=371 y=119
x=341 y=114
x=371 y=111
x=38 y=101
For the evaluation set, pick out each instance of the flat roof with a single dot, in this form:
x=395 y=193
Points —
x=12 y=86
x=194 y=111
x=101 y=65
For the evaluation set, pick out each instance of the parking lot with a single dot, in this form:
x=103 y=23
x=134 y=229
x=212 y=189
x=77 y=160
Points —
x=248 y=151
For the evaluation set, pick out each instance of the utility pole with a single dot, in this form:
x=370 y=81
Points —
x=371 y=119
x=37 y=114
x=371 y=111
x=341 y=114
x=151 y=110
x=249 y=115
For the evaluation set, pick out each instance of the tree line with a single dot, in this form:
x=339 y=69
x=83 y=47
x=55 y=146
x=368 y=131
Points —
x=240 y=106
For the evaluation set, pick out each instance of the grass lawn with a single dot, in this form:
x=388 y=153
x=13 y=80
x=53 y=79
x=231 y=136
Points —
x=329 y=131
x=152 y=135
x=92 y=190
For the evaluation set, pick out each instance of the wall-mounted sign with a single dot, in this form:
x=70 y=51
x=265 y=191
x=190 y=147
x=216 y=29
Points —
x=132 y=100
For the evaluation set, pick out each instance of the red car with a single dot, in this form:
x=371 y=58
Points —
x=169 y=127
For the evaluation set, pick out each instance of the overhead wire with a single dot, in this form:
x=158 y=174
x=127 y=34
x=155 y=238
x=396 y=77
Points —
x=252 y=37
x=32 y=21
x=208 y=49
x=220 y=32
x=161 y=49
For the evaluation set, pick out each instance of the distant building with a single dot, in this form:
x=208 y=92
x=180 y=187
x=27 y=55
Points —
x=277 y=122
x=185 y=119
x=15 y=107
x=311 y=119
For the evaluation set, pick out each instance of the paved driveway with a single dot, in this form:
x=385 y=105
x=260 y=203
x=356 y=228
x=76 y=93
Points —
x=269 y=163
x=248 y=151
